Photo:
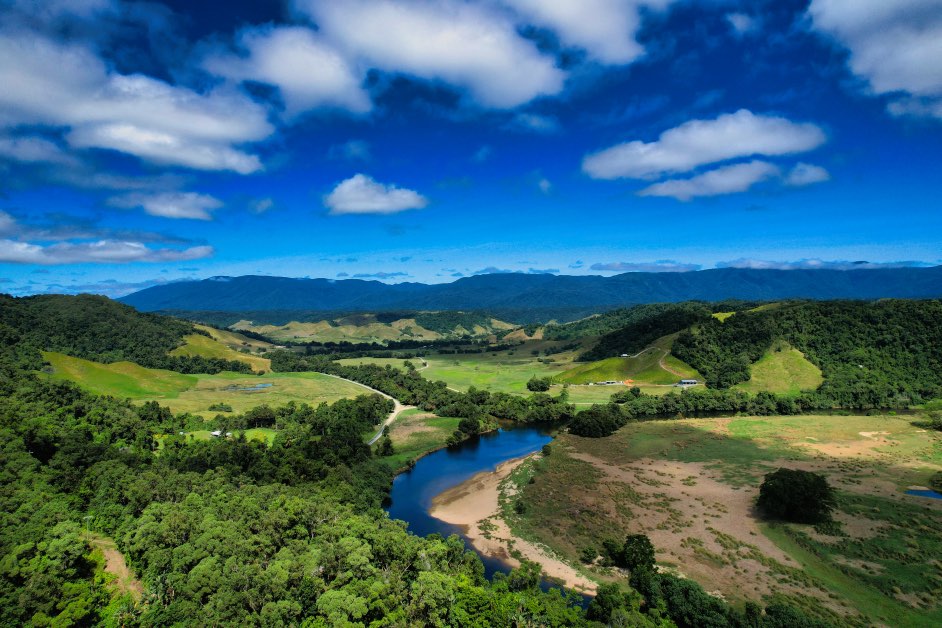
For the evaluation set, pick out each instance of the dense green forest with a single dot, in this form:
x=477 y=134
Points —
x=96 y=328
x=638 y=327
x=872 y=354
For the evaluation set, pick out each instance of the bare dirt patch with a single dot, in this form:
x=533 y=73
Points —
x=702 y=526
x=475 y=505
x=125 y=581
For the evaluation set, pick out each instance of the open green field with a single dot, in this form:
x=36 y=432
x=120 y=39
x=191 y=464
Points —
x=654 y=365
x=264 y=434
x=783 y=370
x=396 y=363
x=195 y=393
x=197 y=345
x=691 y=485
x=497 y=372
x=415 y=433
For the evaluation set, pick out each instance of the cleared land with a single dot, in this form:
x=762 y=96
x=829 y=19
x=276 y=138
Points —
x=195 y=393
x=197 y=345
x=653 y=366
x=416 y=433
x=783 y=370
x=690 y=485
x=330 y=331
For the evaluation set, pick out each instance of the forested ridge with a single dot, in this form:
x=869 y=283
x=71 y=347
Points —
x=97 y=328
x=872 y=354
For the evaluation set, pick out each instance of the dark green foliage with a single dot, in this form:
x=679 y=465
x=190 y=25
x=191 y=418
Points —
x=446 y=323
x=598 y=421
x=886 y=354
x=538 y=384
x=99 y=329
x=796 y=495
x=642 y=325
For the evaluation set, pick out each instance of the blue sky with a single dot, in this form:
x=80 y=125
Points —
x=426 y=140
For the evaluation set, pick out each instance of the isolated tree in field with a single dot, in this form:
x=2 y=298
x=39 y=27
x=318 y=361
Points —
x=795 y=495
x=538 y=384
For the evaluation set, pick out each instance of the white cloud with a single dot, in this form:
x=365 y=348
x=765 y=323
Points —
x=171 y=204
x=806 y=174
x=471 y=46
x=700 y=142
x=545 y=185
x=68 y=86
x=660 y=266
x=725 y=180
x=102 y=251
x=34 y=150
x=815 y=264
x=894 y=44
x=605 y=29
x=308 y=72
x=360 y=194
x=535 y=123
x=742 y=24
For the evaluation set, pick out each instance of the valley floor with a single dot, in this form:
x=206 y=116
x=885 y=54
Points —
x=690 y=485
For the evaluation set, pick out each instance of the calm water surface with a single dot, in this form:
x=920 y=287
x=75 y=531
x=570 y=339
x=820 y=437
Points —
x=413 y=491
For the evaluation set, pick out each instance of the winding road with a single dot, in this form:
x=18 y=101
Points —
x=399 y=407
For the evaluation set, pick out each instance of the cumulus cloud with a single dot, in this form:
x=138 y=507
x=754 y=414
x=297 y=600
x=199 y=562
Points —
x=189 y=205
x=725 y=180
x=605 y=29
x=895 y=45
x=700 y=142
x=361 y=194
x=34 y=150
x=68 y=86
x=100 y=252
x=815 y=264
x=806 y=174
x=308 y=71
x=741 y=23
x=472 y=46
x=660 y=266
x=543 y=271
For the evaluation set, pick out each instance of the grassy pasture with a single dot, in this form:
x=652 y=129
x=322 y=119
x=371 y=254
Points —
x=497 y=371
x=783 y=370
x=415 y=433
x=195 y=393
x=197 y=345
x=691 y=485
x=324 y=331
x=655 y=365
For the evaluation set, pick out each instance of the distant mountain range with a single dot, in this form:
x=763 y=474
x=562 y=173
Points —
x=546 y=292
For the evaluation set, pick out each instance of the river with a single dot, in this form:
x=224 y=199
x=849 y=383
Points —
x=413 y=491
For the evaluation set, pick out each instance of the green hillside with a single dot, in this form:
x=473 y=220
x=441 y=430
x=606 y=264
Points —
x=653 y=365
x=783 y=370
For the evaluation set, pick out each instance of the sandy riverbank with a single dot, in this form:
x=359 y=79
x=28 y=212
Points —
x=477 y=500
